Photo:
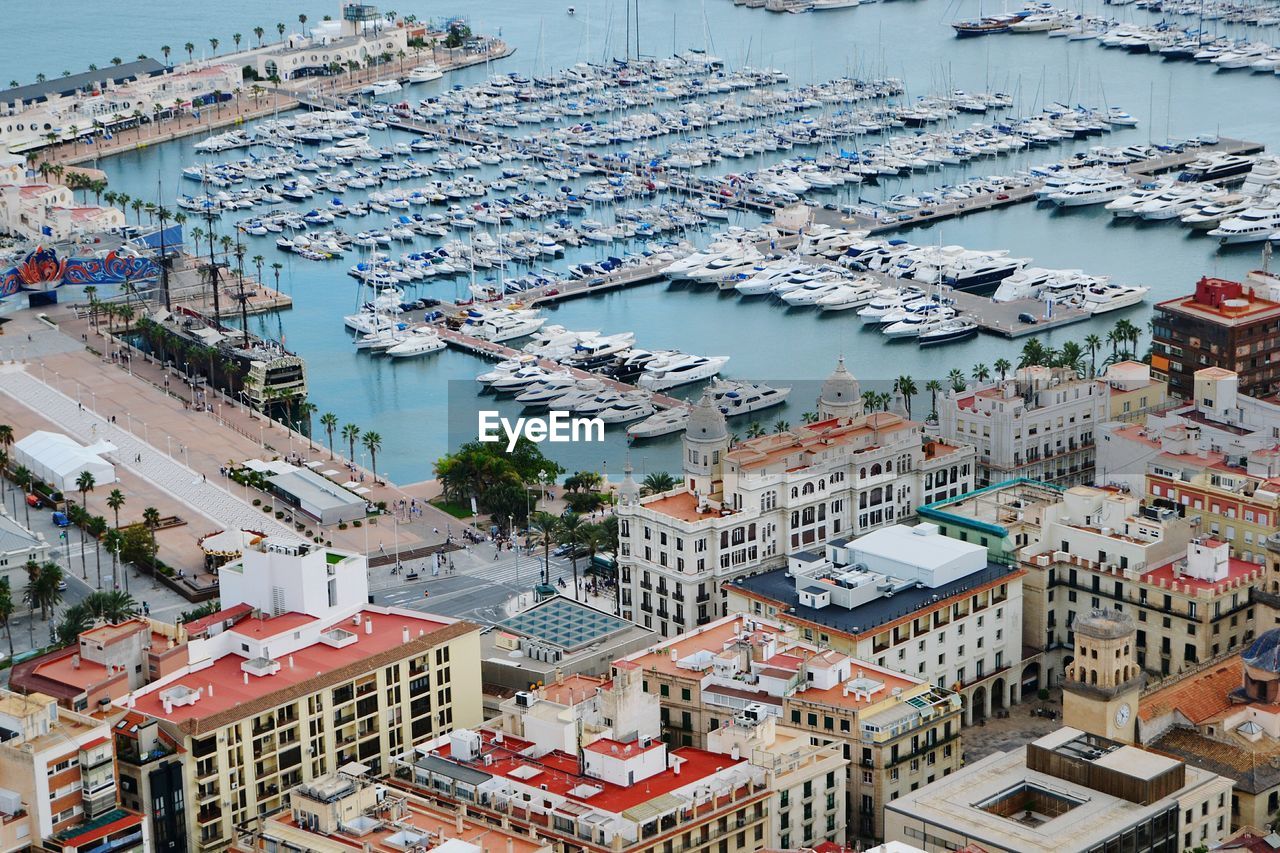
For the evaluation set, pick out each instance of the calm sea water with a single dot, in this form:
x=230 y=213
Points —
x=910 y=39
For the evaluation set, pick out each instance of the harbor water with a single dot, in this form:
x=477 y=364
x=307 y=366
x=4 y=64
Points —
x=909 y=39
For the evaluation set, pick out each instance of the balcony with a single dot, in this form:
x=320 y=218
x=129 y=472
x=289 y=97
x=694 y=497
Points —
x=208 y=814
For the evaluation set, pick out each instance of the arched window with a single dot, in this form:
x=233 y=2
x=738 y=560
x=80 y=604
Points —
x=795 y=493
x=822 y=485
x=862 y=472
x=875 y=469
x=808 y=489
x=888 y=466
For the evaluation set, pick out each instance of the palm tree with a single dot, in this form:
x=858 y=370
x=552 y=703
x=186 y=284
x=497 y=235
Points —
x=112 y=605
x=1093 y=343
x=280 y=28
x=235 y=37
x=809 y=417
x=543 y=527
x=1071 y=356
x=190 y=49
x=213 y=43
x=956 y=379
x=1002 y=367
x=42 y=588
x=258 y=32
x=330 y=423
x=22 y=475
x=571 y=532
x=657 y=483
x=151 y=519
x=84 y=484
x=981 y=372
x=1033 y=353
x=115 y=500
x=755 y=430
x=165 y=50
x=113 y=541
x=97 y=526
x=373 y=443
x=302 y=19
x=781 y=425
x=350 y=432
x=906 y=386
x=7 y=607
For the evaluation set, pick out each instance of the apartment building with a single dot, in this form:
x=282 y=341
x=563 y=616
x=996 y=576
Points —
x=1100 y=548
x=348 y=810
x=1068 y=790
x=909 y=600
x=107 y=662
x=18 y=545
x=896 y=732
x=149 y=766
x=741 y=508
x=1039 y=423
x=597 y=778
x=1228 y=324
x=299 y=676
x=1132 y=391
x=57 y=781
x=1001 y=518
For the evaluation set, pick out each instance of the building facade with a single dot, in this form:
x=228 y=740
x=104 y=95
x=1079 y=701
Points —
x=1039 y=424
x=1226 y=324
x=742 y=508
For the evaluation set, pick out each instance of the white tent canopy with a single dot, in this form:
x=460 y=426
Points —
x=58 y=459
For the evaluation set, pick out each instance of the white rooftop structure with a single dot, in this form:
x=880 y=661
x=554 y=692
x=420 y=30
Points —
x=59 y=460
x=920 y=553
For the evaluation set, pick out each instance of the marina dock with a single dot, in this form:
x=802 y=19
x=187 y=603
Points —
x=499 y=352
x=1019 y=194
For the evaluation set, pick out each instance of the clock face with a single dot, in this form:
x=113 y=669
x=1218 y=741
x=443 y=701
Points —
x=1122 y=715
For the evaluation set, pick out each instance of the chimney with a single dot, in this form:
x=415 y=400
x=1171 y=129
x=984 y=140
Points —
x=246 y=677
x=355 y=620
x=211 y=691
x=735 y=753
x=511 y=844
x=674 y=656
x=368 y=626
x=404 y=634
x=457 y=823
x=290 y=661
x=675 y=768
x=75 y=661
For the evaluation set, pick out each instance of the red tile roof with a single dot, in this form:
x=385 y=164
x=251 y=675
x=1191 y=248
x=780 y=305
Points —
x=1199 y=697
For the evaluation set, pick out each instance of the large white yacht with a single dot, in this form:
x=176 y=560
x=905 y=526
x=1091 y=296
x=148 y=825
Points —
x=1253 y=225
x=1091 y=191
x=506 y=326
x=421 y=341
x=425 y=74
x=1111 y=297
x=680 y=369
x=849 y=295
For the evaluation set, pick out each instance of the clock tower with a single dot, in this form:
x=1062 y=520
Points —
x=1102 y=685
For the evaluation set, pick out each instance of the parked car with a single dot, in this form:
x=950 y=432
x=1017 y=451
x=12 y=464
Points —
x=34 y=501
x=1024 y=317
x=61 y=519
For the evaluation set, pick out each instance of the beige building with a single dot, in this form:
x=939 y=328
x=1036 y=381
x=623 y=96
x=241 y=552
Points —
x=743 y=508
x=300 y=676
x=1067 y=791
x=1131 y=390
x=1039 y=424
x=1102 y=684
x=896 y=732
x=57 y=780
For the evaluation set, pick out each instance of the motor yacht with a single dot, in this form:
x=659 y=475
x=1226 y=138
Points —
x=1251 y=226
x=886 y=301
x=740 y=398
x=809 y=294
x=627 y=409
x=425 y=74
x=849 y=295
x=1091 y=191
x=1111 y=297
x=505 y=368
x=680 y=369
x=519 y=380
x=663 y=422
x=947 y=331
x=421 y=341
x=911 y=325
x=542 y=392
x=506 y=326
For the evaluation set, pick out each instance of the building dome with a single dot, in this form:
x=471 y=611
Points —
x=1263 y=653
x=706 y=422
x=841 y=388
x=1104 y=624
x=628 y=489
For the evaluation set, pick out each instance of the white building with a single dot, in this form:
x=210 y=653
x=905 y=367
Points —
x=293 y=577
x=362 y=33
x=908 y=599
x=35 y=210
x=17 y=546
x=742 y=508
x=1039 y=424
x=59 y=460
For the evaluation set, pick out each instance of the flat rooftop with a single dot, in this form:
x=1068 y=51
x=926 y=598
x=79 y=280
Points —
x=1245 y=311
x=955 y=803
x=227 y=679
x=709 y=638
x=1236 y=571
x=777 y=588
x=558 y=771
x=994 y=506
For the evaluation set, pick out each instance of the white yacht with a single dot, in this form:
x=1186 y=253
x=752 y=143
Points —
x=1210 y=214
x=809 y=294
x=505 y=368
x=1251 y=226
x=739 y=398
x=506 y=326
x=947 y=331
x=725 y=266
x=1127 y=204
x=1091 y=191
x=1111 y=297
x=421 y=341
x=425 y=74
x=890 y=299
x=911 y=325
x=553 y=387
x=1171 y=203
x=680 y=369
x=382 y=87
x=519 y=380
x=847 y=295
x=663 y=422
x=627 y=409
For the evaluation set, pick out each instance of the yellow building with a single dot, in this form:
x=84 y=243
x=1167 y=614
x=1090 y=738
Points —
x=1133 y=391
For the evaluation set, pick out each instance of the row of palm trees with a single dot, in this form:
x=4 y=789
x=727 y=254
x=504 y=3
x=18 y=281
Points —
x=547 y=529
x=371 y=440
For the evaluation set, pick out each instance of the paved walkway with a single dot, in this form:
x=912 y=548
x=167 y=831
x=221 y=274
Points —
x=188 y=486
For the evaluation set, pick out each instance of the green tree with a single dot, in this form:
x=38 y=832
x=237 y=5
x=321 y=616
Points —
x=42 y=588
x=571 y=525
x=543 y=527
x=906 y=386
x=330 y=423
x=190 y=49
x=115 y=501
x=781 y=425
x=1071 y=356
x=956 y=378
x=75 y=621
x=113 y=541
x=350 y=432
x=84 y=484
x=150 y=520
x=1033 y=353
x=112 y=605
x=1003 y=367
x=22 y=474
x=97 y=527
x=258 y=32
x=7 y=608
x=372 y=442
x=657 y=483
x=1093 y=343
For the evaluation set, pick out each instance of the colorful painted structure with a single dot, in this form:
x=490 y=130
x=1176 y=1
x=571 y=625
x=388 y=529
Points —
x=42 y=271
